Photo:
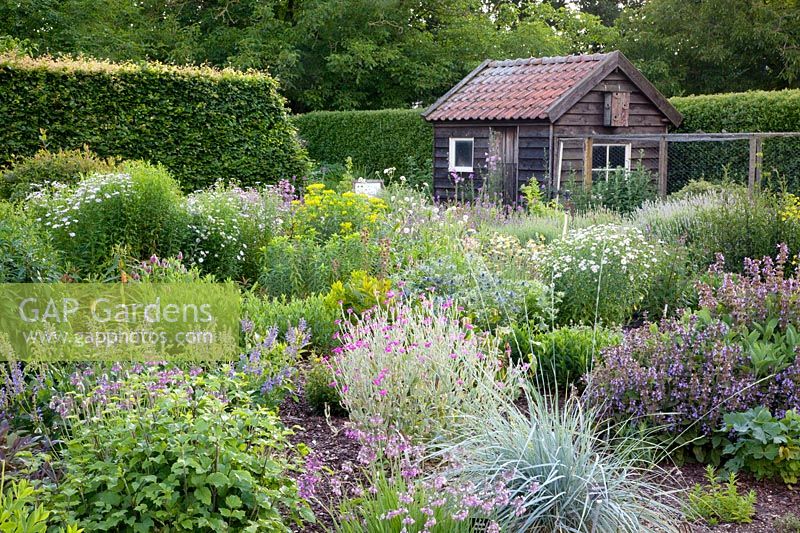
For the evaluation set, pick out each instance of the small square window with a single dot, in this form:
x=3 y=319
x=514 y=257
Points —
x=607 y=158
x=461 y=154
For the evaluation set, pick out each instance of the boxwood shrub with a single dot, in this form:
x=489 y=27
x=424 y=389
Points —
x=200 y=123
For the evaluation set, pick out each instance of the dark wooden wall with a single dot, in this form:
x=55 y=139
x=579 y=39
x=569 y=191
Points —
x=533 y=140
x=586 y=118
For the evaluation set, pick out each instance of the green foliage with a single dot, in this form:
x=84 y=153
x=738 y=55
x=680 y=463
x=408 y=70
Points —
x=302 y=267
x=140 y=209
x=359 y=293
x=761 y=444
x=740 y=112
x=687 y=48
x=228 y=227
x=284 y=313
x=601 y=272
x=623 y=191
x=566 y=354
x=376 y=140
x=788 y=523
x=320 y=391
x=201 y=124
x=45 y=167
x=730 y=223
x=699 y=187
x=363 y=55
x=187 y=461
x=720 y=503
x=19 y=510
x=26 y=253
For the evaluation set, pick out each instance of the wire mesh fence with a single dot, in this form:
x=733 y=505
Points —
x=769 y=160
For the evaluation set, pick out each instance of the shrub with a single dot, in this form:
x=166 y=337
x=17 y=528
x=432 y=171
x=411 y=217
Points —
x=762 y=306
x=375 y=140
x=566 y=354
x=602 y=272
x=139 y=209
x=560 y=469
x=26 y=254
x=229 y=226
x=38 y=171
x=757 y=442
x=717 y=503
x=320 y=391
x=701 y=187
x=623 y=192
x=195 y=456
x=681 y=376
x=788 y=523
x=19 y=510
x=300 y=267
x=283 y=313
x=323 y=213
x=359 y=293
x=413 y=369
x=200 y=123
x=730 y=223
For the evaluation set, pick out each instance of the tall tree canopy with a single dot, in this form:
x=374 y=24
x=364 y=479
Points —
x=366 y=54
x=328 y=54
x=708 y=46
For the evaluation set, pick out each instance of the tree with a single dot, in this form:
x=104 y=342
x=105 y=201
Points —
x=708 y=46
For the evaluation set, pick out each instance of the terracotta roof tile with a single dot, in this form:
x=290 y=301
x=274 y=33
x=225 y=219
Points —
x=522 y=89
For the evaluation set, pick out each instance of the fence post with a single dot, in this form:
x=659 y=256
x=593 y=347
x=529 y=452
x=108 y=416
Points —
x=756 y=156
x=663 y=156
x=587 y=163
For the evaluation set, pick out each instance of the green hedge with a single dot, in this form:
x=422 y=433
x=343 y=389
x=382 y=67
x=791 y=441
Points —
x=740 y=112
x=754 y=111
x=375 y=140
x=202 y=124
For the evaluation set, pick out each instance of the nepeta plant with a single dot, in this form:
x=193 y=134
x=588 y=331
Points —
x=416 y=369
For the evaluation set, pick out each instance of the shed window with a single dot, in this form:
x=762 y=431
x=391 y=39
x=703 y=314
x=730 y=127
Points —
x=606 y=158
x=461 y=154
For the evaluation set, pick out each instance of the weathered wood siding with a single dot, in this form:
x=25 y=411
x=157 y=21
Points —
x=533 y=145
x=587 y=118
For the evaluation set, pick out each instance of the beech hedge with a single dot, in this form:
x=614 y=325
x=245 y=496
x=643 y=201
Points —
x=375 y=140
x=754 y=111
x=202 y=124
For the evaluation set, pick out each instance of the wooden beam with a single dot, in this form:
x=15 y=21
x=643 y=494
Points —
x=587 y=163
x=663 y=158
x=756 y=162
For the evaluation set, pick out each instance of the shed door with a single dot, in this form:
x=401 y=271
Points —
x=505 y=139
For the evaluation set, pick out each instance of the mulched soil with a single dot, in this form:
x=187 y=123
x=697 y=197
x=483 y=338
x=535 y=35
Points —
x=325 y=436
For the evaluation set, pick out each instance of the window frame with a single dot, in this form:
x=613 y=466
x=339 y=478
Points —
x=451 y=156
x=607 y=169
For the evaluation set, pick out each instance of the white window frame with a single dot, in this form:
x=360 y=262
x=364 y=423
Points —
x=607 y=169
x=452 y=154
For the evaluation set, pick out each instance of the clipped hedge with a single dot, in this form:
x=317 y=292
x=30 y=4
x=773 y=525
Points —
x=202 y=124
x=374 y=139
x=752 y=111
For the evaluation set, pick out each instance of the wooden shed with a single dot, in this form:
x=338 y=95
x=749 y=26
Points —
x=527 y=119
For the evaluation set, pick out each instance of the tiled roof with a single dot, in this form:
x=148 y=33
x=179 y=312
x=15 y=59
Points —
x=520 y=89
